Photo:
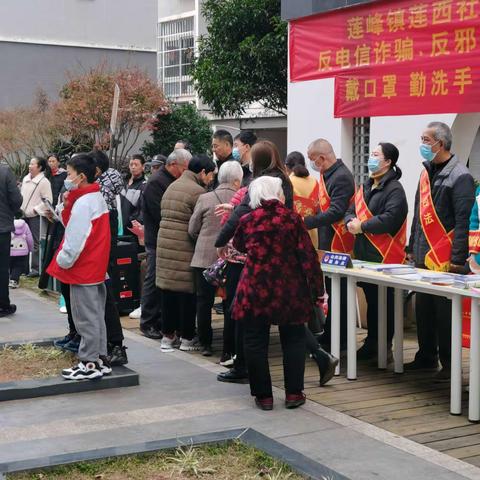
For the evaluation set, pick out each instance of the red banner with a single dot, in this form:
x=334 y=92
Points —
x=393 y=57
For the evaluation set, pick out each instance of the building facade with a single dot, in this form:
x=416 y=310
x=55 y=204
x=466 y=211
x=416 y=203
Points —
x=180 y=23
x=41 y=40
x=311 y=115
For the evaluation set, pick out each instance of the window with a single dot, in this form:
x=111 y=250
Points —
x=175 y=55
x=361 y=149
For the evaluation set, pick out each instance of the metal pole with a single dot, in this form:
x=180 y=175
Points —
x=456 y=372
x=335 y=319
x=351 y=328
x=398 y=338
x=382 y=327
x=474 y=394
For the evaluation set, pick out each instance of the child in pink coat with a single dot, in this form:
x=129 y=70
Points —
x=20 y=247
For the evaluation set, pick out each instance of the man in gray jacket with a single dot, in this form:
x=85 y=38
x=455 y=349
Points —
x=439 y=241
x=10 y=202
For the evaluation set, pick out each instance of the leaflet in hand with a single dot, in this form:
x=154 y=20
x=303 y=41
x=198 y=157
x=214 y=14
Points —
x=51 y=209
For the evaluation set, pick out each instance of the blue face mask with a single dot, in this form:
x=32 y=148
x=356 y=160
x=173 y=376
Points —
x=426 y=151
x=314 y=166
x=373 y=164
x=236 y=154
x=70 y=184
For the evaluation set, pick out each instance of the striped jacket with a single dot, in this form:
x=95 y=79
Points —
x=82 y=257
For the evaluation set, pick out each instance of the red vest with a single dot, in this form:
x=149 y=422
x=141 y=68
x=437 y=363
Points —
x=391 y=248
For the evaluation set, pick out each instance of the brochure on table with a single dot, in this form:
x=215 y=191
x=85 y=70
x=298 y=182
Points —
x=334 y=261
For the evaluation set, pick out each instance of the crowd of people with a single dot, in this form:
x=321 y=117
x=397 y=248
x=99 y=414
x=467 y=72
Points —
x=259 y=221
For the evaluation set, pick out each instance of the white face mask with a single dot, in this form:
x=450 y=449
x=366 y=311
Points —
x=314 y=166
x=70 y=184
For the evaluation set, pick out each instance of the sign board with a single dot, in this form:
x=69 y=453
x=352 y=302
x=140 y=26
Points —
x=337 y=260
x=393 y=57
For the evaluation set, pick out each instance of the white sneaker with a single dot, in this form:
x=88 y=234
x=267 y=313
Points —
x=63 y=309
x=105 y=366
x=136 y=314
x=83 y=371
x=192 y=345
x=12 y=284
x=167 y=345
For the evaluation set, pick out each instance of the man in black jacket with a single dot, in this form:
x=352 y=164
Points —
x=176 y=164
x=222 y=146
x=453 y=194
x=340 y=187
x=10 y=203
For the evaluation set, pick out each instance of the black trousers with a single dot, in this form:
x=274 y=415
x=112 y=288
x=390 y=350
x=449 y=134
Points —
x=205 y=301
x=151 y=294
x=434 y=328
x=292 y=339
x=179 y=311
x=18 y=265
x=5 y=239
x=112 y=317
x=343 y=312
x=65 y=289
x=371 y=295
x=233 y=330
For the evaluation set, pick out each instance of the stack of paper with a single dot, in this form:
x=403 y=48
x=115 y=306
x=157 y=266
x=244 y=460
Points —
x=400 y=271
x=465 y=281
x=379 y=267
x=438 y=278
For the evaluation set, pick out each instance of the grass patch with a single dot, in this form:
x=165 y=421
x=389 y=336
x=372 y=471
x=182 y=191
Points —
x=31 y=361
x=229 y=461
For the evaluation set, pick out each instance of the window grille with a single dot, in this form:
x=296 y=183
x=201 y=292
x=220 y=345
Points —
x=361 y=149
x=175 y=55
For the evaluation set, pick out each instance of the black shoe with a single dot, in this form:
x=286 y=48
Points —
x=73 y=345
x=151 y=332
x=61 y=342
x=118 y=355
x=366 y=352
x=218 y=307
x=33 y=274
x=420 y=365
x=442 y=376
x=326 y=365
x=226 y=360
x=207 y=351
x=233 y=376
x=10 y=310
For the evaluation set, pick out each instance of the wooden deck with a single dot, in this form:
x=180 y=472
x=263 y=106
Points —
x=410 y=405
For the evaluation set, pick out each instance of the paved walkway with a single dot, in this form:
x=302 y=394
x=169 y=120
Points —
x=179 y=396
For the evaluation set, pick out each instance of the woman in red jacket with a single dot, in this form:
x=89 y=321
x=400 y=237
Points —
x=279 y=285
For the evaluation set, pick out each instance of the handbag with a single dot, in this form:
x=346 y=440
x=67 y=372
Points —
x=215 y=273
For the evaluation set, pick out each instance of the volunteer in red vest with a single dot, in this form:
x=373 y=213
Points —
x=306 y=198
x=378 y=219
x=439 y=241
x=336 y=190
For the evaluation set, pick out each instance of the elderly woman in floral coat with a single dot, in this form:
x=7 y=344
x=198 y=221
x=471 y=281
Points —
x=279 y=285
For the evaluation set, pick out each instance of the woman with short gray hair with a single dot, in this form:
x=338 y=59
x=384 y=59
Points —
x=204 y=227
x=280 y=284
